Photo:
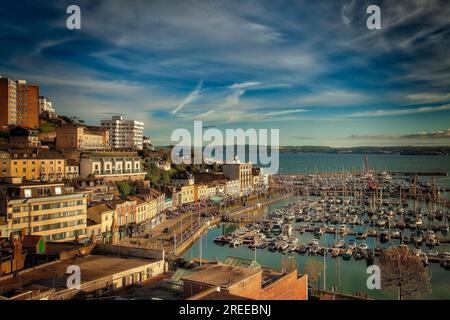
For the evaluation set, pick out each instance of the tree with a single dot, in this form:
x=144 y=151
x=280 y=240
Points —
x=313 y=269
x=403 y=270
x=125 y=188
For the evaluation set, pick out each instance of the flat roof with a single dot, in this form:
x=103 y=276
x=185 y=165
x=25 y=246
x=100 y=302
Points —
x=54 y=275
x=221 y=275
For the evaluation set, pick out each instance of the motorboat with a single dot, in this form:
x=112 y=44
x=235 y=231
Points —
x=363 y=246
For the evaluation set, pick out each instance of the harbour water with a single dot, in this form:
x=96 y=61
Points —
x=348 y=276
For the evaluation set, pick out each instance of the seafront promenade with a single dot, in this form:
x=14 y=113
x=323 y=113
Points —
x=177 y=235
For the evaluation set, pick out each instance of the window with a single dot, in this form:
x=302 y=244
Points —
x=27 y=193
x=58 y=190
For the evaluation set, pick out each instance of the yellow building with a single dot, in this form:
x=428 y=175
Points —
x=201 y=192
x=44 y=166
x=47 y=209
x=101 y=214
x=187 y=194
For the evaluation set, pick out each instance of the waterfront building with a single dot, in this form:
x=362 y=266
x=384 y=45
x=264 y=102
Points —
x=23 y=138
x=112 y=166
x=232 y=187
x=103 y=268
x=201 y=192
x=160 y=200
x=124 y=134
x=82 y=138
x=102 y=214
x=186 y=194
x=12 y=255
x=227 y=280
x=50 y=210
x=146 y=212
x=44 y=166
x=94 y=231
x=239 y=171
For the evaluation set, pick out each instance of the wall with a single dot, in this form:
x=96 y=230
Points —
x=287 y=288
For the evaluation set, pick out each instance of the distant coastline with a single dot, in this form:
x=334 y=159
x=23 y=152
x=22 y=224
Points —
x=401 y=150
x=405 y=150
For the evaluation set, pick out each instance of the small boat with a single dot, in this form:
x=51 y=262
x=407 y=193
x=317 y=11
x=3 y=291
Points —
x=433 y=253
x=405 y=240
x=361 y=235
x=236 y=243
x=352 y=244
x=395 y=234
x=347 y=255
x=384 y=236
x=401 y=225
x=340 y=244
x=363 y=246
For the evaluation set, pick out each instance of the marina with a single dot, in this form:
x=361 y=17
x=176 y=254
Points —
x=344 y=221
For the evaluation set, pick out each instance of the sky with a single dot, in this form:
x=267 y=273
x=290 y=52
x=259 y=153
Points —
x=311 y=69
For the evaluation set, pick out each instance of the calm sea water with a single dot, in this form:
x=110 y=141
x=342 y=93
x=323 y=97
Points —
x=348 y=276
x=299 y=163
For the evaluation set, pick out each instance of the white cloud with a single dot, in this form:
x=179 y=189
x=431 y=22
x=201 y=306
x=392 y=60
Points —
x=190 y=97
x=398 y=112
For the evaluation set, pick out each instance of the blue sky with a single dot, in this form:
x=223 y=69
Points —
x=310 y=68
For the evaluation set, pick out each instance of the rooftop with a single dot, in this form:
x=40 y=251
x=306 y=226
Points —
x=220 y=275
x=54 y=275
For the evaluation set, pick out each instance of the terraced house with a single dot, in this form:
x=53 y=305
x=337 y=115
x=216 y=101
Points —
x=47 y=209
x=43 y=166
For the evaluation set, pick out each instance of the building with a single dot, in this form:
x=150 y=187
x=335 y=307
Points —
x=47 y=209
x=147 y=144
x=112 y=166
x=102 y=214
x=12 y=256
x=23 y=138
x=46 y=107
x=78 y=137
x=251 y=282
x=104 y=268
x=27 y=105
x=187 y=194
x=72 y=169
x=8 y=102
x=232 y=187
x=124 y=134
x=241 y=172
x=44 y=166
x=182 y=178
x=201 y=192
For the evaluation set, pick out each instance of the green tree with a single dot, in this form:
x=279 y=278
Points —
x=125 y=188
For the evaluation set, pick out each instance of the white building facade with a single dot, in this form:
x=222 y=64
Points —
x=124 y=134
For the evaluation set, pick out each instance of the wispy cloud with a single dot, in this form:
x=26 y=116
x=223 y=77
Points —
x=189 y=98
x=399 y=112
x=424 y=135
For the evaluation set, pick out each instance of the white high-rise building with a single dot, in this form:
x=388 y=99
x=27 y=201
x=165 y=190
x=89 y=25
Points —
x=124 y=134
